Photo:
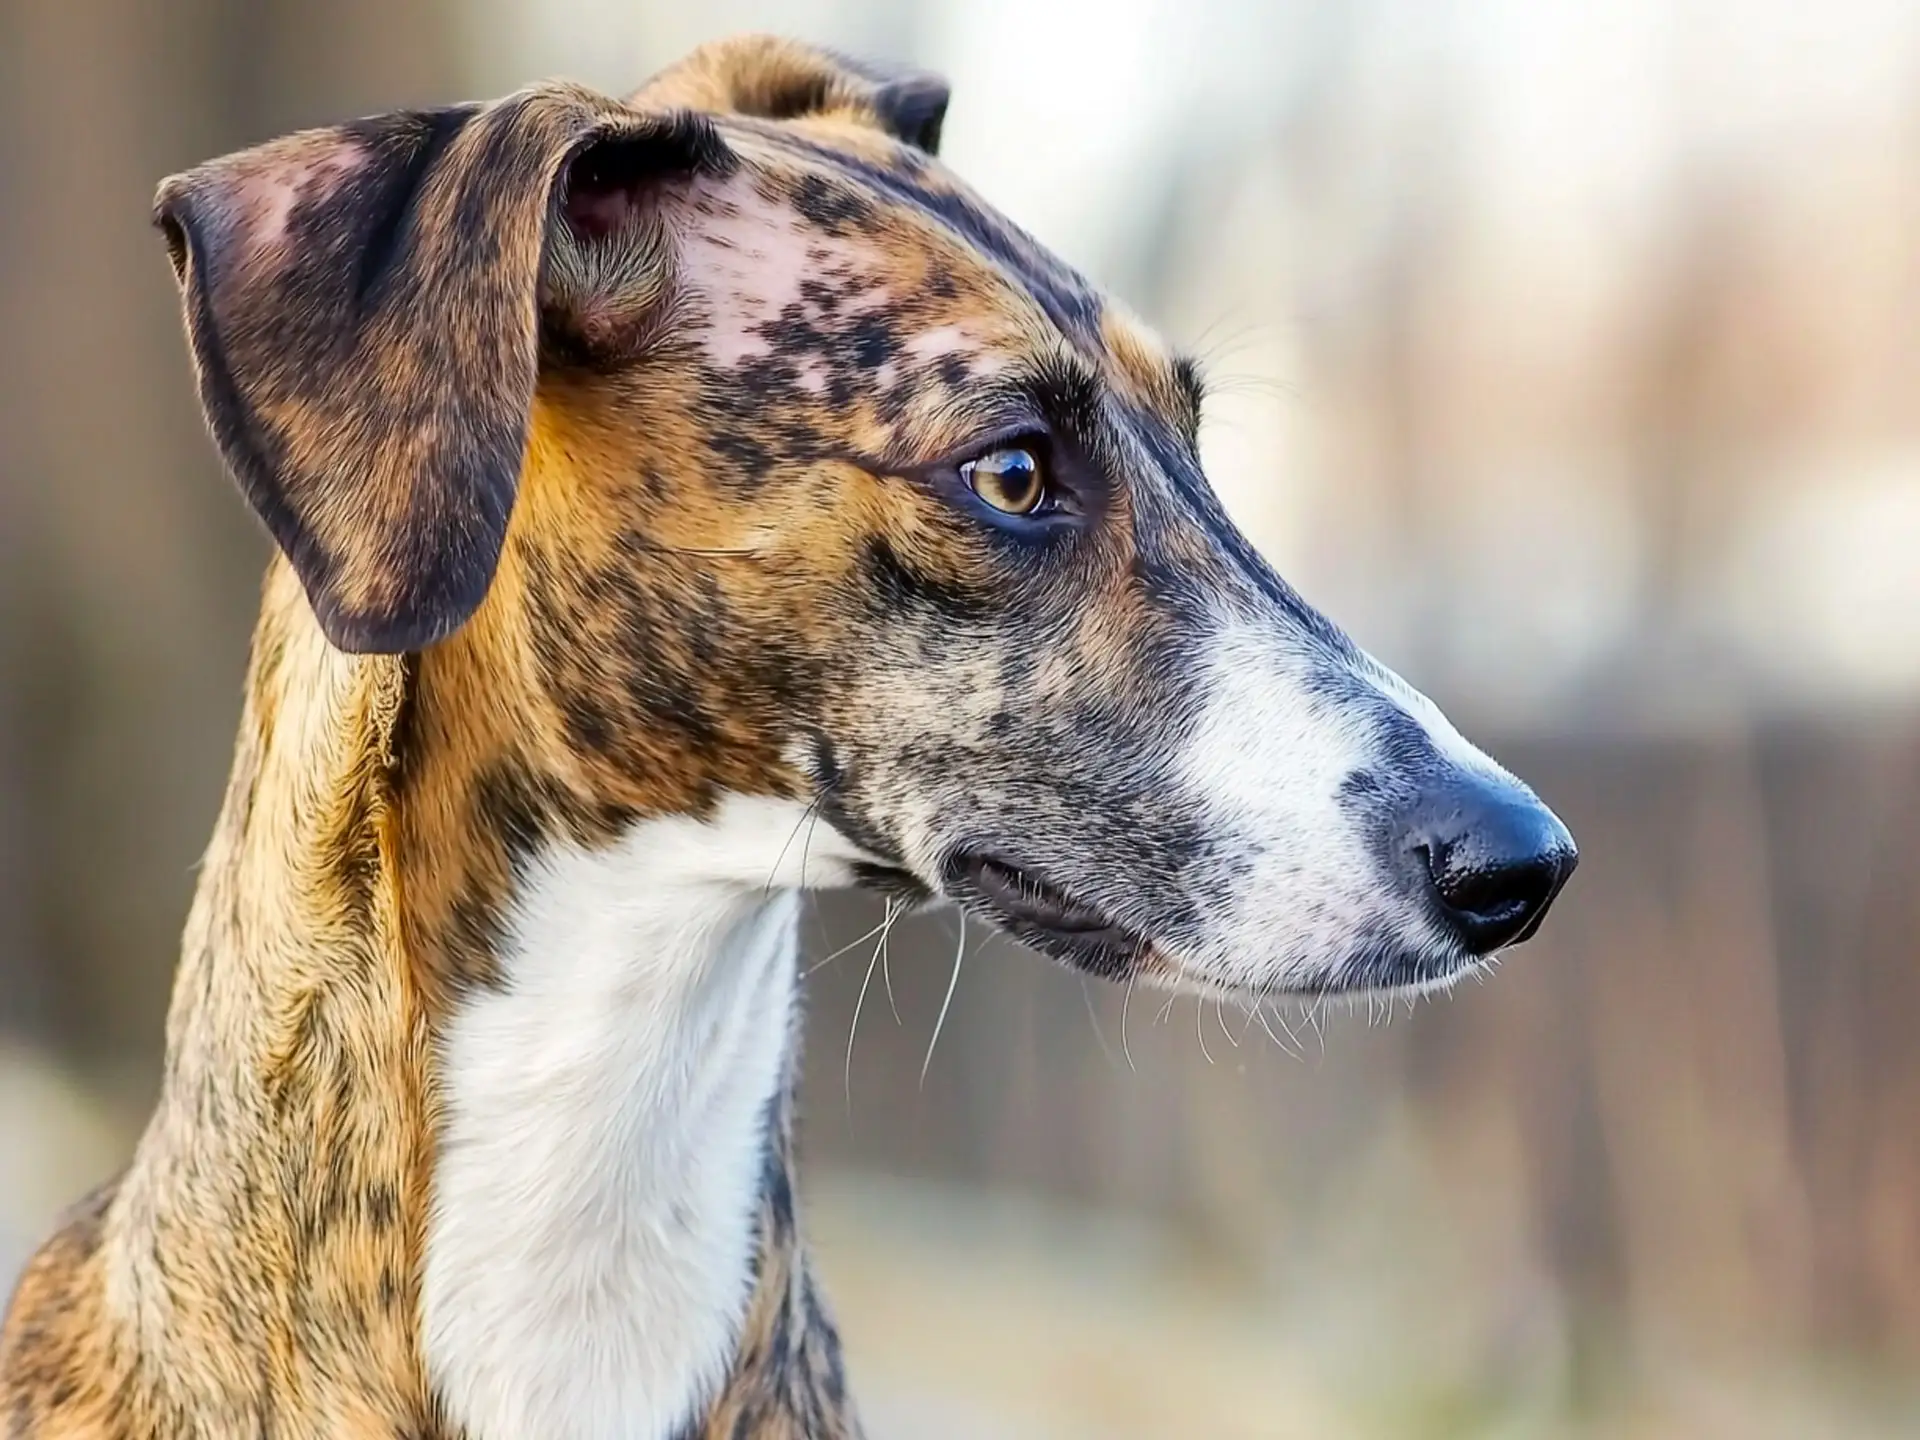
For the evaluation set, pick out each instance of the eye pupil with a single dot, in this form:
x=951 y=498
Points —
x=1009 y=479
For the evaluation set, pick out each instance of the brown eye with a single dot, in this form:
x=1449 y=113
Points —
x=1009 y=479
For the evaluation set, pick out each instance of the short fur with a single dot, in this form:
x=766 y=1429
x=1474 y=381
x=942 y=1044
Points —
x=615 y=454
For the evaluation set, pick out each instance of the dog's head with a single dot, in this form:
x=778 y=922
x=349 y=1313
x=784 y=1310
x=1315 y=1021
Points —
x=797 y=470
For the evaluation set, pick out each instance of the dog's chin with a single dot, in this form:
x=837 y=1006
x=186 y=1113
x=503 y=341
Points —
x=1402 y=970
x=1377 y=968
x=1041 y=915
x=1378 y=975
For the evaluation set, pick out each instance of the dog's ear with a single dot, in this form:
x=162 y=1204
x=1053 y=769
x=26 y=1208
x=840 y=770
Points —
x=364 y=305
x=775 y=79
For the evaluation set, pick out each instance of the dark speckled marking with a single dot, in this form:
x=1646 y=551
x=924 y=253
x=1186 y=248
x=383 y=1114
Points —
x=473 y=316
x=837 y=209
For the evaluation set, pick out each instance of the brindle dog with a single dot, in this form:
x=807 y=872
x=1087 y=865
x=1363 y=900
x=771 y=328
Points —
x=681 y=501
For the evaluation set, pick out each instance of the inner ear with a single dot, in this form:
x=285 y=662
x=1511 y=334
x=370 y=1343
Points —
x=608 y=183
x=609 y=260
x=603 y=191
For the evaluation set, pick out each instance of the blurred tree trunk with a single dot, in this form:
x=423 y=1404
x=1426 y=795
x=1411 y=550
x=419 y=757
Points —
x=128 y=567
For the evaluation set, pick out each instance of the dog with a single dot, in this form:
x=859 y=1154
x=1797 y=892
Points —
x=680 y=502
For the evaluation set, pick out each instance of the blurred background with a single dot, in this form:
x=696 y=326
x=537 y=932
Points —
x=1566 y=353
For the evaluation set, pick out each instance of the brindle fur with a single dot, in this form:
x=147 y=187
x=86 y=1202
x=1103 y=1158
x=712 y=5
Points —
x=586 y=519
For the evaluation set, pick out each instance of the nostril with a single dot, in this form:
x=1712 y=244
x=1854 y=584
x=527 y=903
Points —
x=1489 y=857
x=1490 y=901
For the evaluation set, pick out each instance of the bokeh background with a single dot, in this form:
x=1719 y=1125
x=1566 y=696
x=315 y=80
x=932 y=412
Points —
x=1567 y=353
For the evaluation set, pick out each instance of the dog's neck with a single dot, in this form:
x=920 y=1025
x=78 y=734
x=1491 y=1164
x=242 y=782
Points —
x=481 y=1146
x=604 y=1142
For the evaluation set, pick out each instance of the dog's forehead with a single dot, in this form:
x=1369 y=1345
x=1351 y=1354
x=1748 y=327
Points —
x=780 y=274
x=868 y=224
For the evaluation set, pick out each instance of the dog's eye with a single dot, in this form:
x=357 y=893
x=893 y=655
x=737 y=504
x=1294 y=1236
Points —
x=1011 y=479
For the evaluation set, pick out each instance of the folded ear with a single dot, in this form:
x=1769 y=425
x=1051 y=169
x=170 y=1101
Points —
x=775 y=79
x=364 y=305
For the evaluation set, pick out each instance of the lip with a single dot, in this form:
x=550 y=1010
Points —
x=1041 y=914
x=1033 y=909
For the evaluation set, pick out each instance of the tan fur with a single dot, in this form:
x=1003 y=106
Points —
x=257 y=1264
x=256 y=1270
x=685 y=587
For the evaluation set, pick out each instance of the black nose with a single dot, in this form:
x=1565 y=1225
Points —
x=1493 y=856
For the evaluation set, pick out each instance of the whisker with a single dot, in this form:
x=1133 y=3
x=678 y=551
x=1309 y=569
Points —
x=812 y=809
x=858 y=940
x=854 y=1031
x=1215 y=348
x=953 y=983
x=1099 y=1034
x=886 y=955
x=1291 y=1045
x=1260 y=1014
x=1220 y=1015
x=1292 y=1034
x=806 y=846
x=1200 y=1025
x=886 y=973
x=1314 y=1019
x=1252 y=1009
x=886 y=960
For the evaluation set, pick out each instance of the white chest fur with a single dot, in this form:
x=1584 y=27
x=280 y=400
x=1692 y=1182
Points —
x=597 y=1181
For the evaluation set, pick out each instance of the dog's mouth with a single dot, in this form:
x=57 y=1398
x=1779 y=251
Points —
x=1035 y=910
x=1040 y=913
